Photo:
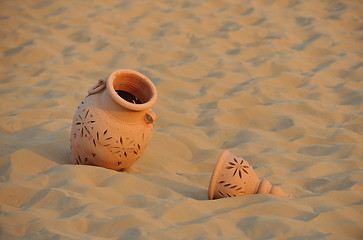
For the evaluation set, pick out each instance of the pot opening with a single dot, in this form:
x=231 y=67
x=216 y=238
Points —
x=128 y=97
x=133 y=88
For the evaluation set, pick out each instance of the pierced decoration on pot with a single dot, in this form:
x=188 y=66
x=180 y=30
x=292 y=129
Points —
x=233 y=176
x=114 y=123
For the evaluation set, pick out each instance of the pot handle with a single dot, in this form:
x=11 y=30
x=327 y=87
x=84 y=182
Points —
x=101 y=84
x=150 y=117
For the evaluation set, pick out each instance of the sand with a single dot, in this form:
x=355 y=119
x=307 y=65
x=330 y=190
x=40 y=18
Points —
x=279 y=83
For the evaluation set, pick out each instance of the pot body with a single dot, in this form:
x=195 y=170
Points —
x=107 y=130
x=233 y=176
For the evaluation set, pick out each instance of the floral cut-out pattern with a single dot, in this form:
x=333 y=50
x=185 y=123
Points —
x=238 y=167
x=235 y=177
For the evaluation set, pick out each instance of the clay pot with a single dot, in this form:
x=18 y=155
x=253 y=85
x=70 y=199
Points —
x=114 y=123
x=233 y=176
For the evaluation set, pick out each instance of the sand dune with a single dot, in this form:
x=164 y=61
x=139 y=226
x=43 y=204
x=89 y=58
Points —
x=277 y=82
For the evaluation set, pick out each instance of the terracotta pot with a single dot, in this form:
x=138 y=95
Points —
x=233 y=176
x=114 y=123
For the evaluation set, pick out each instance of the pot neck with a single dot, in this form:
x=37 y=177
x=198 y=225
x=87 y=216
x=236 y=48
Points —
x=121 y=113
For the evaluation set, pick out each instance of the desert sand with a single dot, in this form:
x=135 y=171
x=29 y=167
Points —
x=279 y=83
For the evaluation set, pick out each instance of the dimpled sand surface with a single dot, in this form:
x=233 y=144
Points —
x=277 y=82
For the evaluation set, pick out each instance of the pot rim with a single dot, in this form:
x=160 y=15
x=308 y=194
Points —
x=123 y=102
x=216 y=173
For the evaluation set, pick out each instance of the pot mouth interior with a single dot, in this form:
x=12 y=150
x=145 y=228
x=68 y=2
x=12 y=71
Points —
x=128 y=96
x=130 y=86
x=132 y=89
